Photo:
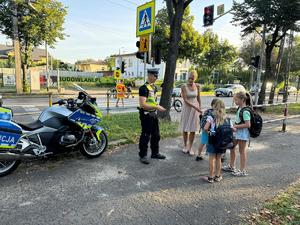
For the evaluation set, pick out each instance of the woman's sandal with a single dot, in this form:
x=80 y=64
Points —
x=191 y=152
x=185 y=151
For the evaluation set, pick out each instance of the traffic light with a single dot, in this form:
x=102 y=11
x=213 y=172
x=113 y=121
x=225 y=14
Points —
x=208 y=18
x=139 y=55
x=255 y=61
x=123 y=66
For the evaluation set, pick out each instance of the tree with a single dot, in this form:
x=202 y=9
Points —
x=111 y=62
x=217 y=54
x=190 y=42
x=176 y=11
x=278 y=16
x=37 y=25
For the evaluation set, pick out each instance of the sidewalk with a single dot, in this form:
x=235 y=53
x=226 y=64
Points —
x=117 y=189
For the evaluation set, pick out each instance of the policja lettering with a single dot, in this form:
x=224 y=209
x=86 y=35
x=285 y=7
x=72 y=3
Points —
x=7 y=139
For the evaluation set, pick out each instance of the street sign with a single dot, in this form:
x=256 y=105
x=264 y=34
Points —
x=145 y=17
x=144 y=43
x=117 y=74
x=220 y=9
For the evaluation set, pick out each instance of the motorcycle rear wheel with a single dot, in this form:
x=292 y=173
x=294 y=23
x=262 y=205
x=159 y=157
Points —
x=8 y=166
x=90 y=149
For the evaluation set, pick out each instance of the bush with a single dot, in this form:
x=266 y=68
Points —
x=208 y=87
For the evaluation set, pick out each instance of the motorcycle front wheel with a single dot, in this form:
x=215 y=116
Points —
x=8 y=166
x=93 y=148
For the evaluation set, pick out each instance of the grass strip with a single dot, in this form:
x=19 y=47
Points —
x=293 y=109
x=127 y=126
x=283 y=209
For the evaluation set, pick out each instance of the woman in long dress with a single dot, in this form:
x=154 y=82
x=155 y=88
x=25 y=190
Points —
x=191 y=110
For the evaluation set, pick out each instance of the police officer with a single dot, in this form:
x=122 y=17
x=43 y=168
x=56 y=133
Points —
x=149 y=121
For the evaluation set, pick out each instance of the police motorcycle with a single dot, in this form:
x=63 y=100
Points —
x=69 y=124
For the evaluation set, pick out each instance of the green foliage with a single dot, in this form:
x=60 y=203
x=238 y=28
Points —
x=208 y=87
x=43 y=23
x=276 y=15
x=128 y=126
x=106 y=82
x=216 y=54
x=111 y=62
x=191 y=42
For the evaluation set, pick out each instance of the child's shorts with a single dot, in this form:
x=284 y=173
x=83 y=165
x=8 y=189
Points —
x=242 y=134
x=204 y=137
x=210 y=149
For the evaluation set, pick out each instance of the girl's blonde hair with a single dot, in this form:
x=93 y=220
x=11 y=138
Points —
x=245 y=96
x=219 y=111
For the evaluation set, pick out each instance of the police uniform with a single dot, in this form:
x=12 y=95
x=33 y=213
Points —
x=149 y=121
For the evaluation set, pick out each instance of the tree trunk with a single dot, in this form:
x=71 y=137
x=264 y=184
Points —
x=277 y=70
x=267 y=76
x=24 y=64
x=175 y=35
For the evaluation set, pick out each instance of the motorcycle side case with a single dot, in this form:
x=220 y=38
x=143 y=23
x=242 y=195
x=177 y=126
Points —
x=5 y=113
x=10 y=133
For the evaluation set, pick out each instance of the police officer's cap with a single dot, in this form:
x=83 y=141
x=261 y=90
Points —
x=153 y=71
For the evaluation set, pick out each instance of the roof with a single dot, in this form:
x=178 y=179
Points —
x=99 y=62
x=37 y=53
x=5 y=49
x=128 y=54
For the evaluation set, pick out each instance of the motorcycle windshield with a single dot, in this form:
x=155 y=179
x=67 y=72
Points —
x=78 y=88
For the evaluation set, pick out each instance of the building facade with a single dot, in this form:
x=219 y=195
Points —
x=91 y=66
x=134 y=67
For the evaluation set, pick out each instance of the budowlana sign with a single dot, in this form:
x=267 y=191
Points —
x=79 y=79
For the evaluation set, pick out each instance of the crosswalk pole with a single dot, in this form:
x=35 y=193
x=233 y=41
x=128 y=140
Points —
x=285 y=118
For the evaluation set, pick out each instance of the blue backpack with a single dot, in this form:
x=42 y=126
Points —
x=222 y=138
x=203 y=117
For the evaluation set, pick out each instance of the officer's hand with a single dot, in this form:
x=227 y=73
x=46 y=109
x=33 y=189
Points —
x=160 y=108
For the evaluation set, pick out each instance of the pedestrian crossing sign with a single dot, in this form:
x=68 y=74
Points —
x=145 y=19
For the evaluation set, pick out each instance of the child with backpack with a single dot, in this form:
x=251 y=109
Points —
x=220 y=138
x=204 y=134
x=242 y=125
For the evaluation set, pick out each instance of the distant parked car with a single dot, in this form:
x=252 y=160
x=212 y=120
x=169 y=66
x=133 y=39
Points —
x=229 y=90
x=177 y=91
x=291 y=90
x=268 y=89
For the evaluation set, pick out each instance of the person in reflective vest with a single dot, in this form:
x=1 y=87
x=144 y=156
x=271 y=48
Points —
x=148 y=116
x=120 y=87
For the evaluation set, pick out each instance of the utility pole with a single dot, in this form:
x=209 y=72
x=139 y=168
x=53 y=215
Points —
x=19 y=86
x=47 y=66
x=259 y=69
x=253 y=68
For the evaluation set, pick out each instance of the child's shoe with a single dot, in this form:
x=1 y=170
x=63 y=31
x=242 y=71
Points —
x=228 y=168
x=239 y=173
x=218 y=178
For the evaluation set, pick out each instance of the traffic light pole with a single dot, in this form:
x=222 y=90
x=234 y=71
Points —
x=145 y=64
x=19 y=87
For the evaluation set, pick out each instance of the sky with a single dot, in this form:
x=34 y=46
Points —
x=99 y=28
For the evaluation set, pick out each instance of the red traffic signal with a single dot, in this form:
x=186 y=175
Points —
x=208 y=18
